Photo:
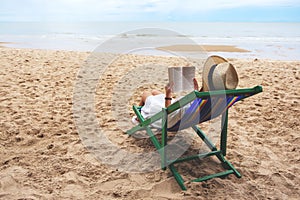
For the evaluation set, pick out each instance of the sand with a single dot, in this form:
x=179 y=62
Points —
x=207 y=48
x=43 y=154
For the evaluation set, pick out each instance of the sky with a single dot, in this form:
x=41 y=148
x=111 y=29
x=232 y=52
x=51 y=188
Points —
x=151 y=10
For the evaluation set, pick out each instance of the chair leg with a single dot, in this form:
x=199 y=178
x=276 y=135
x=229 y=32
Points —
x=135 y=129
x=224 y=125
x=229 y=168
x=205 y=139
x=164 y=140
x=153 y=139
x=178 y=177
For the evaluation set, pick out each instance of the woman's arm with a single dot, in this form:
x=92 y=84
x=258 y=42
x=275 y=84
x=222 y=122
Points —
x=168 y=89
x=168 y=97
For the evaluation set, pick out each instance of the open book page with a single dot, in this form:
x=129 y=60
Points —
x=181 y=78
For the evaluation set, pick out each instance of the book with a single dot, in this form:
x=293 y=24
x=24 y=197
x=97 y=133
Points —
x=181 y=78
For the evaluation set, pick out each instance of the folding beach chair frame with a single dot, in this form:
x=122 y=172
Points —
x=220 y=154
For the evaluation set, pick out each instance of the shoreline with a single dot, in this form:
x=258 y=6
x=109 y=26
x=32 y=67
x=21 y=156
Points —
x=208 y=48
x=227 y=48
x=229 y=56
x=3 y=44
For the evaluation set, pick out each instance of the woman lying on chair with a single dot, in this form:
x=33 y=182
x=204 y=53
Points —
x=158 y=96
x=218 y=74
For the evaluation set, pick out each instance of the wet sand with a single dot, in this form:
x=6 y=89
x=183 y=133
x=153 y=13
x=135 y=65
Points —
x=208 y=48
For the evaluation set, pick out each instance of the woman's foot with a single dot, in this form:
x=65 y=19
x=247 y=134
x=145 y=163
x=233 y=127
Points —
x=135 y=120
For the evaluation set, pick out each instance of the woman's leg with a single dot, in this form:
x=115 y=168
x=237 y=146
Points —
x=155 y=92
x=146 y=94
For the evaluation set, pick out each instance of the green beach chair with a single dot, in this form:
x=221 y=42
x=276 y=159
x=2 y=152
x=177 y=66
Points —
x=204 y=106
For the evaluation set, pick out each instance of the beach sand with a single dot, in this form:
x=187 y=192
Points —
x=43 y=155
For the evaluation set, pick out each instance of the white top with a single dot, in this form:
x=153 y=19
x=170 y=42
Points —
x=154 y=104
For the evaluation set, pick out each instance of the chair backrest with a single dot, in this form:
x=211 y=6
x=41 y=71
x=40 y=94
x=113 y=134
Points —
x=207 y=106
x=204 y=109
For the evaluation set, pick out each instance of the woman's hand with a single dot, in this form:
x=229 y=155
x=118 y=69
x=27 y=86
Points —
x=168 y=89
x=168 y=98
x=196 y=85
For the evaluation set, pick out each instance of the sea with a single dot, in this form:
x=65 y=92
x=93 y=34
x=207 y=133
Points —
x=277 y=41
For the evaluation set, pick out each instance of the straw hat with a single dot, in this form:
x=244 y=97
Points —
x=219 y=74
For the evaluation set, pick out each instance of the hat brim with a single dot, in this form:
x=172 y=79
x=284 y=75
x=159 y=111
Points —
x=230 y=83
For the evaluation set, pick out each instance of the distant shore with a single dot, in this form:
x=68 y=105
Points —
x=234 y=48
x=2 y=44
x=209 y=48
